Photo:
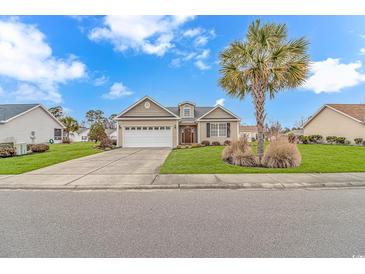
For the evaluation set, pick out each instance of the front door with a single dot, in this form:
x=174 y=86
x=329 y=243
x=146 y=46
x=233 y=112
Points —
x=187 y=135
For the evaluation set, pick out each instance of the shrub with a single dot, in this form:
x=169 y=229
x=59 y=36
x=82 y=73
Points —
x=315 y=139
x=29 y=147
x=216 y=143
x=39 y=147
x=281 y=154
x=195 y=145
x=340 y=140
x=247 y=159
x=114 y=142
x=292 y=138
x=227 y=142
x=205 y=143
x=227 y=154
x=303 y=139
x=7 y=150
x=239 y=153
x=358 y=141
x=331 y=139
x=66 y=140
x=106 y=143
x=347 y=142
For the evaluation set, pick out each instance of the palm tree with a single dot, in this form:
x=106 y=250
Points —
x=263 y=64
x=71 y=125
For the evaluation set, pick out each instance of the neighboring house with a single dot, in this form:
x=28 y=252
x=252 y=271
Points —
x=149 y=124
x=249 y=132
x=82 y=135
x=296 y=132
x=28 y=123
x=346 y=120
x=112 y=133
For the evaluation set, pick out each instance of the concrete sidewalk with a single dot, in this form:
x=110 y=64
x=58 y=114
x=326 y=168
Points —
x=142 y=181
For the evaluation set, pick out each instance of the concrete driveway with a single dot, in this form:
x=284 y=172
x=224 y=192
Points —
x=124 y=166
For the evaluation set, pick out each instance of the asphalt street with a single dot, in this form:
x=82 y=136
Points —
x=183 y=223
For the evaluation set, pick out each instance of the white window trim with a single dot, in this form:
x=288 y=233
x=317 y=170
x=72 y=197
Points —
x=219 y=133
x=184 y=115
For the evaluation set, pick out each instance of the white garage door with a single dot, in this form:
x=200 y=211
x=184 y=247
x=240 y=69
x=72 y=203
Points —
x=148 y=136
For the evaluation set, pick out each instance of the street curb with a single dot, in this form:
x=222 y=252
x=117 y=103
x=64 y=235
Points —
x=231 y=186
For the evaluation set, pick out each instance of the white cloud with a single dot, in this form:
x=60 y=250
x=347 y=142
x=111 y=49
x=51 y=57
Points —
x=203 y=55
x=148 y=34
x=192 y=32
x=201 y=41
x=31 y=92
x=101 y=80
x=362 y=51
x=116 y=91
x=331 y=76
x=26 y=58
x=201 y=65
x=220 y=102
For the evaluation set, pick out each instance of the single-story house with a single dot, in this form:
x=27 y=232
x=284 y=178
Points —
x=345 y=120
x=112 y=133
x=249 y=132
x=147 y=123
x=82 y=135
x=28 y=123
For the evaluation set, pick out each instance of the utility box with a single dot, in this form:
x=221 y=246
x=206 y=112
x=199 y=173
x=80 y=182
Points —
x=21 y=148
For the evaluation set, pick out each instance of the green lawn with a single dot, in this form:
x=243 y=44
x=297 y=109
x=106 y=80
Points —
x=315 y=158
x=56 y=154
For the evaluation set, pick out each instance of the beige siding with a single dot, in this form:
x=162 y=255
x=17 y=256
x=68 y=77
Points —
x=171 y=123
x=331 y=123
x=181 y=108
x=203 y=132
x=140 y=110
x=218 y=114
x=19 y=129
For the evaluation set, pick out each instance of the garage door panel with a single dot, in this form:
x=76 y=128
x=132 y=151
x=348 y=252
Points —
x=139 y=136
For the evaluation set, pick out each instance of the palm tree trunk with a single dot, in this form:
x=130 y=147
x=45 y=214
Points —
x=259 y=101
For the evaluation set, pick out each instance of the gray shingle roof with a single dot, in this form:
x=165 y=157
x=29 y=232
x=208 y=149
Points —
x=199 y=111
x=8 y=111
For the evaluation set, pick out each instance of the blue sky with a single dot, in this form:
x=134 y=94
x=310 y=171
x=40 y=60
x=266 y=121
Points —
x=110 y=62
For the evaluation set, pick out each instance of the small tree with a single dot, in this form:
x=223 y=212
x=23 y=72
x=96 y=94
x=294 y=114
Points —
x=97 y=132
x=56 y=112
x=94 y=116
x=261 y=65
x=71 y=125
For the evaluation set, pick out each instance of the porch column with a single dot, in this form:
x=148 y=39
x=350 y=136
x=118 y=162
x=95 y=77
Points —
x=177 y=132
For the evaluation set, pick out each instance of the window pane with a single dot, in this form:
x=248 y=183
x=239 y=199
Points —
x=222 y=129
x=186 y=112
x=214 y=130
x=57 y=134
